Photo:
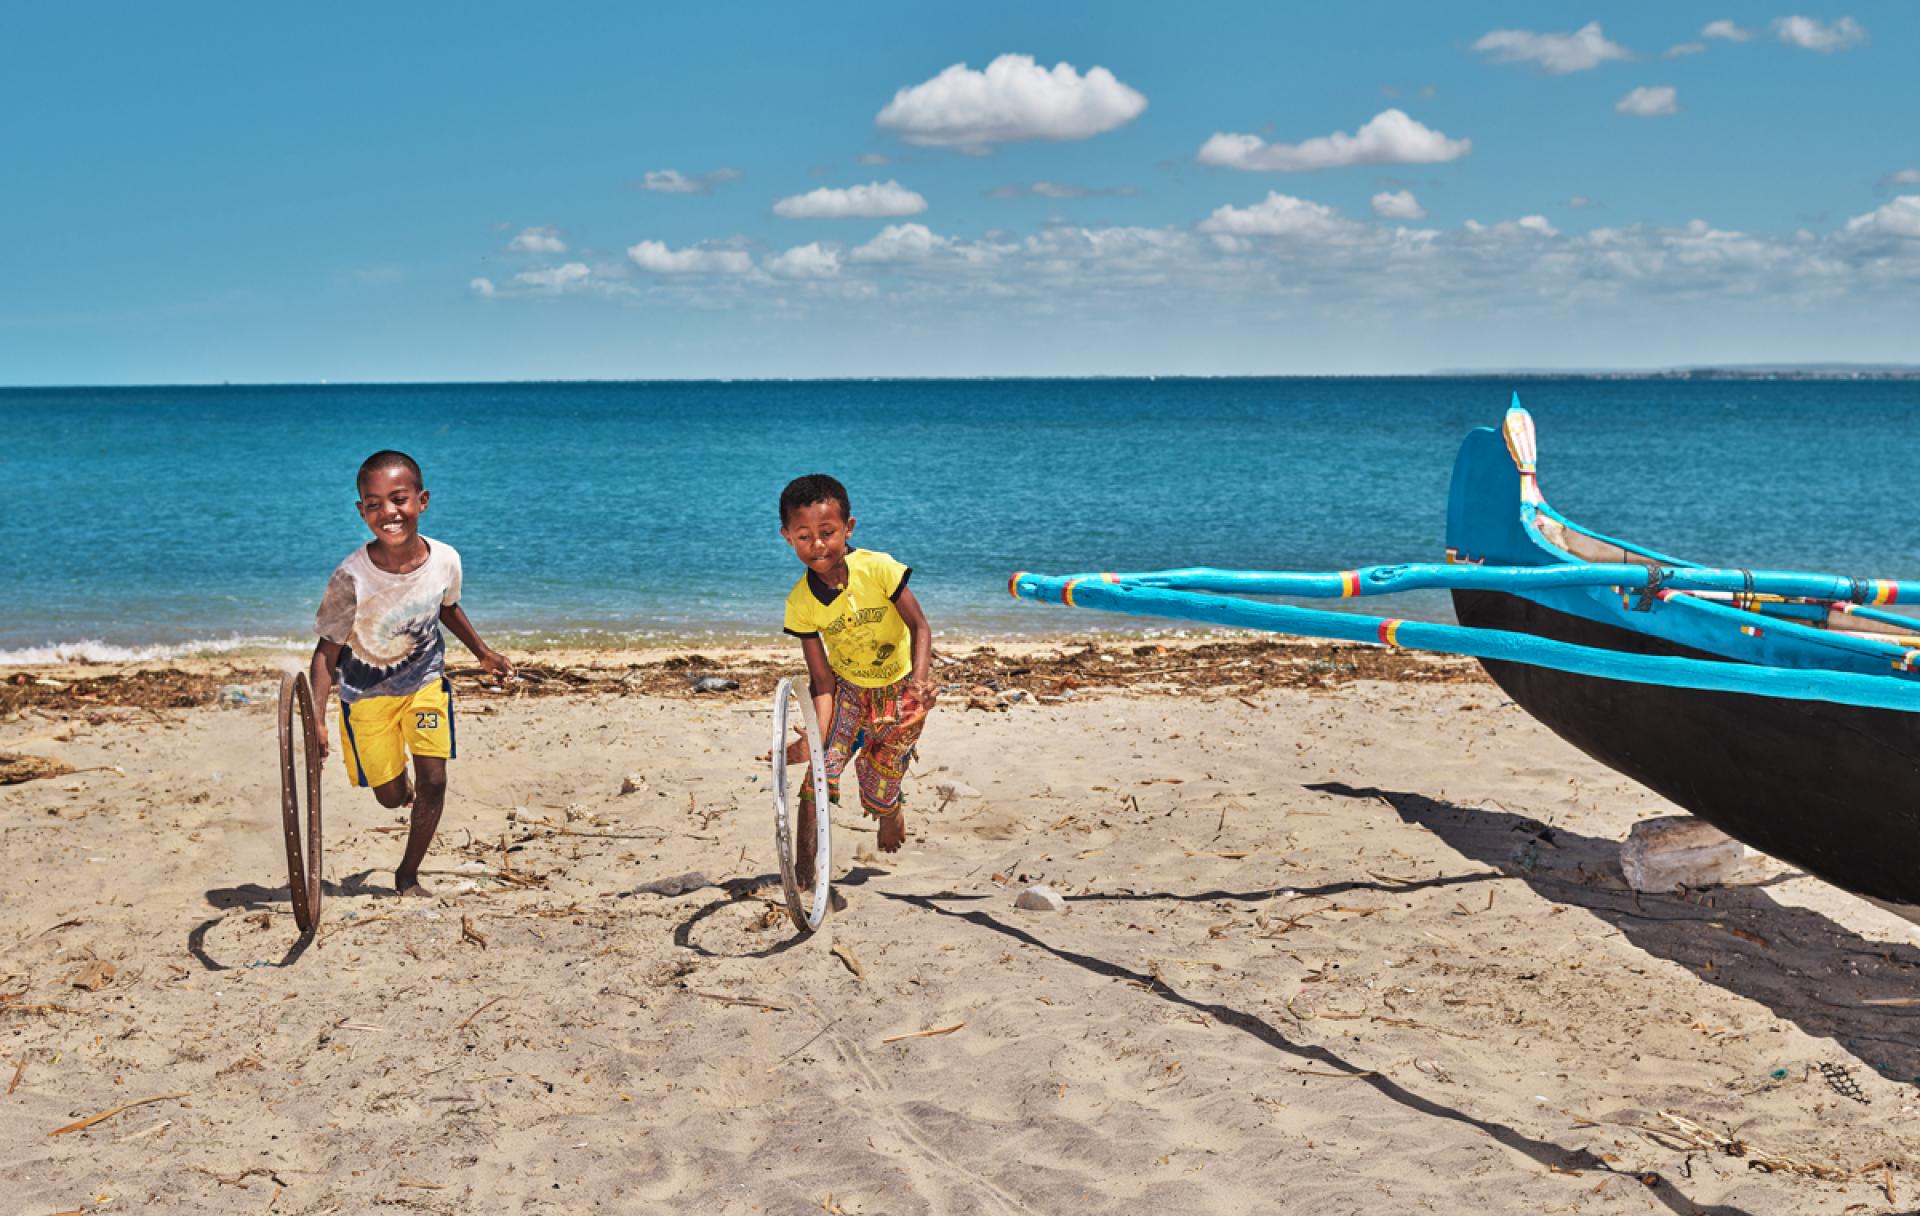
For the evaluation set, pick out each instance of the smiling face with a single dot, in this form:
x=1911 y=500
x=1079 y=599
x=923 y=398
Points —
x=819 y=535
x=391 y=499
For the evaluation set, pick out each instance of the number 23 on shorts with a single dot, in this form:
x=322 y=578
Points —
x=428 y=721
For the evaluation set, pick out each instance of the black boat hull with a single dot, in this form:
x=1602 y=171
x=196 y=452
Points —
x=1833 y=789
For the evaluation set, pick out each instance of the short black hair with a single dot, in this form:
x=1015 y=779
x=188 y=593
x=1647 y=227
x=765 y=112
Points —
x=386 y=460
x=814 y=487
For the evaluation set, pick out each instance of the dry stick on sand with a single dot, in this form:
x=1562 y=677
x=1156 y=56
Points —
x=796 y=1051
x=354 y=924
x=470 y=934
x=19 y=1071
x=464 y=1022
x=724 y=999
x=924 y=1034
x=90 y=1120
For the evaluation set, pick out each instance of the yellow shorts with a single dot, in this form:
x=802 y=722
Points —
x=380 y=731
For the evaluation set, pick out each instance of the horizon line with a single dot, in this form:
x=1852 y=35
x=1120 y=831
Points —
x=1707 y=371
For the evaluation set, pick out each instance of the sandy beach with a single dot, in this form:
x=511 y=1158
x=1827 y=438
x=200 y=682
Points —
x=1345 y=932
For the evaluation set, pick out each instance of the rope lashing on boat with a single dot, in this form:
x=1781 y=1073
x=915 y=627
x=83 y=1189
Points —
x=1656 y=580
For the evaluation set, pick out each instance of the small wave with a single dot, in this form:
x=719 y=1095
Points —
x=94 y=651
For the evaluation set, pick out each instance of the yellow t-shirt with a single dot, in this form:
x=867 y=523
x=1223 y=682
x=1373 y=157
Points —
x=867 y=639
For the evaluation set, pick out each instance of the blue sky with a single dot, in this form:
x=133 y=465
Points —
x=460 y=192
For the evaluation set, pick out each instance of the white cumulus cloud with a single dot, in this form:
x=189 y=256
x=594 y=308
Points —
x=672 y=181
x=874 y=200
x=1558 y=54
x=555 y=278
x=481 y=287
x=656 y=258
x=1726 y=30
x=1277 y=215
x=901 y=243
x=1899 y=177
x=810 y=261
x=1900 y=218
x=1686 y=48
x=1809 y=34
x=537 y=240
x=1013 y=99
x=1398 y=205
x=1526 y=226
x=1649 y=101
x=1388 y=138
x=905 y=245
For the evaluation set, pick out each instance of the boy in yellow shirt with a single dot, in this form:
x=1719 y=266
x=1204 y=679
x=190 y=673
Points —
x=868 y=649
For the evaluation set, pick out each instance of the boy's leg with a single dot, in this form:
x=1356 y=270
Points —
x=395 y=793
x=429 y=800
x=849 y=709
x=882 y=765
x=427 y=724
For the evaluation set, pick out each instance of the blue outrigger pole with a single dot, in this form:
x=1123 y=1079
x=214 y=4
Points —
x=1211 y=597
x=1626 y=576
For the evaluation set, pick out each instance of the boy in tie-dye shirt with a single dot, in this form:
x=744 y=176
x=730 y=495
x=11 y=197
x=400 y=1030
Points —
x=379 y=626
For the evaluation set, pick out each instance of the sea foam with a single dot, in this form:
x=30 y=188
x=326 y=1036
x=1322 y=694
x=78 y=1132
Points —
x=94 y=651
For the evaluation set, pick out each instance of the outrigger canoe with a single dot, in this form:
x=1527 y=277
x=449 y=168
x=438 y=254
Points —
x=1783 y=708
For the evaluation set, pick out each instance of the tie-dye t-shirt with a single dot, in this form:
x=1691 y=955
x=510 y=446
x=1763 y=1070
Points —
x=389 y=623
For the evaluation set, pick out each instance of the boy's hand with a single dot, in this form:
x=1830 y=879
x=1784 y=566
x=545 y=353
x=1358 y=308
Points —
x=320 y=733
x=797 y=751
x=924 y=693
x=498 y=665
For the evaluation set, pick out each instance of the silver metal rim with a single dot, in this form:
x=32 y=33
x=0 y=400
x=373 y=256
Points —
x=807 y=914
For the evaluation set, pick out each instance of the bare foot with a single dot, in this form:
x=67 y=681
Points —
x=409 y=885
x=893 y=831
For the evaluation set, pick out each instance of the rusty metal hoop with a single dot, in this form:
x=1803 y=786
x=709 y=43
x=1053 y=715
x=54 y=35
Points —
x=303 y=871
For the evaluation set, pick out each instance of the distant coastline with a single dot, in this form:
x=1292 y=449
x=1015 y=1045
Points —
x=1707 y=371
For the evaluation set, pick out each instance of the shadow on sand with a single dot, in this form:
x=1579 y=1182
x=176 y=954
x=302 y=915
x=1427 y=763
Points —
x=741 y=890
x=253 y=897
x=1804 y=967
x=1545 y=1152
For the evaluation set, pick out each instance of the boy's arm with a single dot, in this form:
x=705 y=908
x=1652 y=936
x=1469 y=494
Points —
x=820 y=680
x=326 y=661
x=819 y=677
x=455 y=619
x=916 y=620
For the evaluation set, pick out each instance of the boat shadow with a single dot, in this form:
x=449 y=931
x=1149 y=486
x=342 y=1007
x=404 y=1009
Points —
x=1805 y=968
x=1547 y=1153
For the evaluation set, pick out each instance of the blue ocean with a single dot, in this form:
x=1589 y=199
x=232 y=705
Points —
x=158 y=521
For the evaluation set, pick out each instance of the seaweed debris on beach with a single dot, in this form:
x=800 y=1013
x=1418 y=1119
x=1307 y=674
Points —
x=981 y=674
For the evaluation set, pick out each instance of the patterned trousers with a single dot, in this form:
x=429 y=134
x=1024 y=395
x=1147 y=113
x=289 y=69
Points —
x=884 y=724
